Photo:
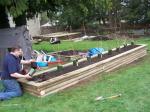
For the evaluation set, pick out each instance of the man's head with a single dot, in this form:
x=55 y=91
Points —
x=16 y=50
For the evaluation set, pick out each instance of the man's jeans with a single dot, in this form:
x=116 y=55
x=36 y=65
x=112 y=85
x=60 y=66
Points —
x=11 y=89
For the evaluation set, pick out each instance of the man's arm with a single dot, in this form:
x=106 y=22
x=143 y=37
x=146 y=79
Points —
x=18 y=75
x=27 y=61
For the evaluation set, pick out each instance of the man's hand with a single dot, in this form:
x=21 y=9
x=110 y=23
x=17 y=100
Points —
x=32 y=60
x=28 y=76
x=27 y=61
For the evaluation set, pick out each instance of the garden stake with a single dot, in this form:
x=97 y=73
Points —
x=110 y=97
x=10 y=105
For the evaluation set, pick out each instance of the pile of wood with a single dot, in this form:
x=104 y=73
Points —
x=68 y=79
x=60 y=35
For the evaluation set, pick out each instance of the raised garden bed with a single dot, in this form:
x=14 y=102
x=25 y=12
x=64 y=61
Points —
x=70 y=55
x=61 y=77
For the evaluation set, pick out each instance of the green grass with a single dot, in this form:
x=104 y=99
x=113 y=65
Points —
x=133 y=82
x=82 y=45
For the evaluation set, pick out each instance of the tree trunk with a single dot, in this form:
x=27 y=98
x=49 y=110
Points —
x=110 y=19
x=104 y=22
x=20 y=20
x=4 y=22
x=84 y=30
x=99 y=21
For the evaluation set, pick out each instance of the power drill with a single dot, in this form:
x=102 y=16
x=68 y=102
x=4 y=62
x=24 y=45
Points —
x=33 y=68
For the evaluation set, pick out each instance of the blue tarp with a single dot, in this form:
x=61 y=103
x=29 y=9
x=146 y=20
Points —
x=94 y=51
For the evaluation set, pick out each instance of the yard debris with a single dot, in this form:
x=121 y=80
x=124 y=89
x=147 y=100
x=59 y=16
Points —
x=110 y=97
x=9 y=105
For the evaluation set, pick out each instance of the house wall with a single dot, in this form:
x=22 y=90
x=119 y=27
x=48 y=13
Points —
x=34 y=26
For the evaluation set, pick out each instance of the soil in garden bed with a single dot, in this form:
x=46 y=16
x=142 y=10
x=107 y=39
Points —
x=49 y=75
x=70 y=52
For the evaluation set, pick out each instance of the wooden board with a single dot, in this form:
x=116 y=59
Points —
x=59 y=35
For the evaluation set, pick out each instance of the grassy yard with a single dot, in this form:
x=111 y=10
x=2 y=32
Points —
x=133 y=82
x=82 y=45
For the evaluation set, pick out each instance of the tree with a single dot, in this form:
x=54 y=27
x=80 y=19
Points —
x=22 y=9
x=14 y=8
x=137 y=11
x=4 y=23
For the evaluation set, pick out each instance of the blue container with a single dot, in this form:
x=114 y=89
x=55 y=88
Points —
x=42 y=64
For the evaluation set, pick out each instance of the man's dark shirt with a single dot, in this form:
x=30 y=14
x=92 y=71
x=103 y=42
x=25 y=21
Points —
x=11 y=65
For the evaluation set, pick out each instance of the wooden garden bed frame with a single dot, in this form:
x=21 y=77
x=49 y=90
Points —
x=68 y=79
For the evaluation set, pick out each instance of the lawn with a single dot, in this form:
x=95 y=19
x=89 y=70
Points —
x=132 y=81
x=82 y=45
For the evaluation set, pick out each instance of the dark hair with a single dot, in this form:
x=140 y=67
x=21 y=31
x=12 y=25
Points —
x=12 y=49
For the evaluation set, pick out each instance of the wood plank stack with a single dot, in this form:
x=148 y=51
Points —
x=63 y=81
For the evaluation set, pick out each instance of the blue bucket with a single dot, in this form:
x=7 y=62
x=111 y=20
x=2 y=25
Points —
x=42 y=64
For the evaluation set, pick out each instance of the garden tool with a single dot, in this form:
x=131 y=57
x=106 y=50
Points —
x=110 y=97
x=32 y=71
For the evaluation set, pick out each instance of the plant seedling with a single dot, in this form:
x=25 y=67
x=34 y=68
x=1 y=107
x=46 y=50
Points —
x=100 y=55
x=118 y=49
x=132 y=43
x=59 y=67
x=89 y=59
x=109 y=52
x=75 y=63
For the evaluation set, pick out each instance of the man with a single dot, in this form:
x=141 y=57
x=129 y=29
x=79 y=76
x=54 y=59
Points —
x=11 y=71
x=54 y=40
